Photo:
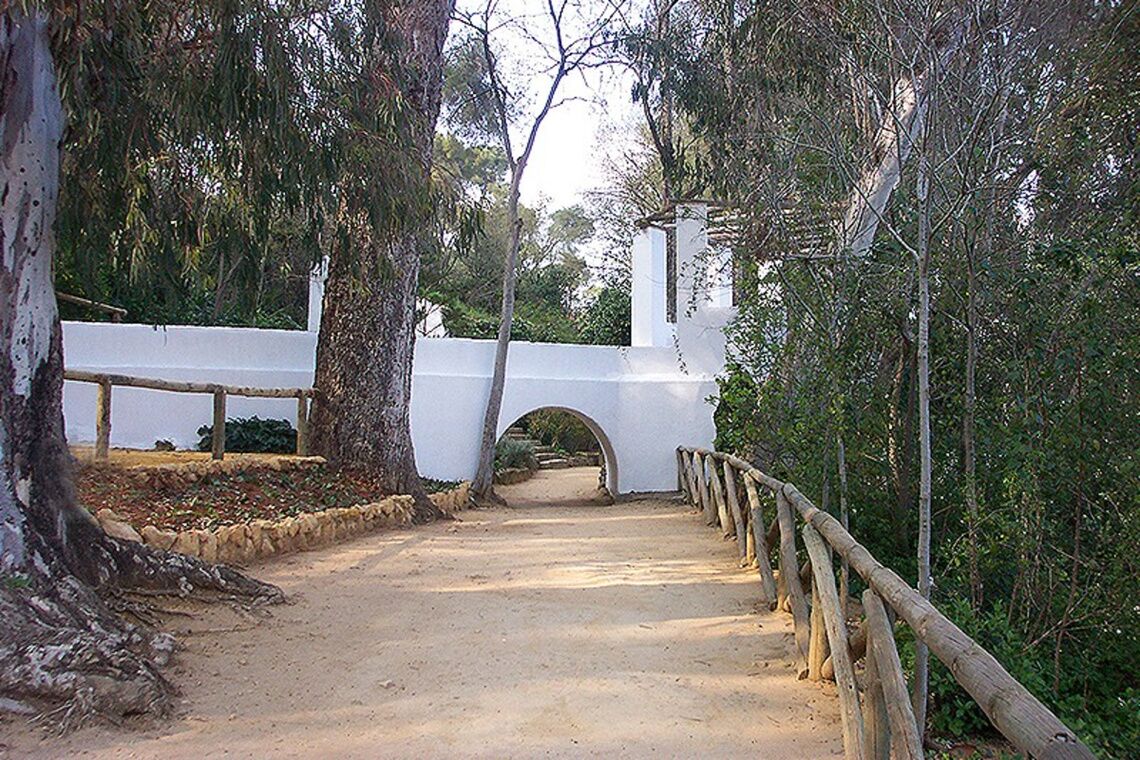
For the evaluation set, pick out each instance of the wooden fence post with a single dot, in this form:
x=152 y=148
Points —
x=905 y=736
x=103 y=420
x=219 y=436
x=760 y=541
x=302 y=425
x=875 y=723
x=818 y=647
x=853 y=737
x=790 y=576
x=722 y=518
x=707 y=506
x=734 y=506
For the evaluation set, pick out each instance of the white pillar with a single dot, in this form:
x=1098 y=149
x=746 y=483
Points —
x=700 y=319
x=648 y=326
x=692 y=255
x=317 y=277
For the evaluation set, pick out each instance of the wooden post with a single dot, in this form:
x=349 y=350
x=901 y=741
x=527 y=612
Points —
x=789 y=574
x=905 y=736
x=760 y=539
x=703 y=486
x=103 y=420
x=302 y=425
x=691 y=473
x=722 y=517
x=853 y=736
x=219 y=438
x=681 y=486
x=818 y=648
x=877 y=734
x=734 y=506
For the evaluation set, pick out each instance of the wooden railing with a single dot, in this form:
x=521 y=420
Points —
x=877 y=718
x=116 y=312
x=106 y=382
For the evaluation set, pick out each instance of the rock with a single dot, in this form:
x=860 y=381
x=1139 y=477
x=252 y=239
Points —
x=186 y=543
x=116 y=527
x=159 y=539
x=208 y=546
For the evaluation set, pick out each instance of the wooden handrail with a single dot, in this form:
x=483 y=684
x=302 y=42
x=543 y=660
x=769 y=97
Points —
x=106 y=381
x=1013 y=710
x=117 y=312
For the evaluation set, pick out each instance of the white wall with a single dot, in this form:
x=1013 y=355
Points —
x=643 y=404
x=641 y=401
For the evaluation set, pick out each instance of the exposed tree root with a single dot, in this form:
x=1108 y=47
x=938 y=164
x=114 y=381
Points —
x=68 y=644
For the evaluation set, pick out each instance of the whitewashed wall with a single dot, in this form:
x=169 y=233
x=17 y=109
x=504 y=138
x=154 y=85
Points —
x=641 y=401
x=637 y=400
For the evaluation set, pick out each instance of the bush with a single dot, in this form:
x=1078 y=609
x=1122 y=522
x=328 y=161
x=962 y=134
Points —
x=511 y=454
x=561 y=430
x=253 y=435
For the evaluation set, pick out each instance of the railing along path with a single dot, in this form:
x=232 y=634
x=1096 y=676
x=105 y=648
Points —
x=218 y=443
x=877 y=718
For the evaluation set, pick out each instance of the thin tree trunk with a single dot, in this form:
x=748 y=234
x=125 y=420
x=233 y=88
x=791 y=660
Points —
x=366 y=345
x=482 y=486
x=921 y=653
x=61 y=642
x=970 y=481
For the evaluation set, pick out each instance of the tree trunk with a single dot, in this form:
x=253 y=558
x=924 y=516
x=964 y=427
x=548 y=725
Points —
x=921 y=653
x=483 y=485
x=366 y=345
x=62 y=642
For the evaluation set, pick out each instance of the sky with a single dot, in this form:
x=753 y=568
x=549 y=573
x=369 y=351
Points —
x=569 y=155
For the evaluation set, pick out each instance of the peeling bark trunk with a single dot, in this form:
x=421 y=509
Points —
x=894 y=140
x=361 y=418
x=61 y=642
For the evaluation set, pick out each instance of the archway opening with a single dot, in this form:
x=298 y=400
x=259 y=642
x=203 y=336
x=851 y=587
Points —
x=555 y=456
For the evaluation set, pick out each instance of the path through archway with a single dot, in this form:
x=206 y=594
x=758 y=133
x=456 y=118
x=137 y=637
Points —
x=566 y=457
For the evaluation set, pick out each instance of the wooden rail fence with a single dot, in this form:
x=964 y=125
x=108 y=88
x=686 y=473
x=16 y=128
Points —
x=106 y=382
x=877 y=718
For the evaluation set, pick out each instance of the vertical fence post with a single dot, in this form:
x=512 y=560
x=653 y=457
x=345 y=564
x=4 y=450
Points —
x=760 y=541
x=790 y=576
x=302 y=425
x=906 y=738
x=218 y=450
x=103 y=420
x=819 y=649
x=853 y=734
x=733 y=495
x=877 y=736
x=722 y=518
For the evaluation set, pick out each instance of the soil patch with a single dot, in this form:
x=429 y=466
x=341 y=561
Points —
x=252 y=491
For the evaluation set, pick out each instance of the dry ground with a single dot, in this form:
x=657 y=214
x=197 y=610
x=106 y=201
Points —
x=536 y=631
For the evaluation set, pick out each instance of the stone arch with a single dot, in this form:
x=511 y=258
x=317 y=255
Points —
x=608 y=451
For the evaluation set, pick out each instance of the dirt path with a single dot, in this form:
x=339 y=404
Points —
x=621 y=631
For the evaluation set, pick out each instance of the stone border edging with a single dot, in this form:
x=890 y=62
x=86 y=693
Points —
x=260 y=539
x=512 y=475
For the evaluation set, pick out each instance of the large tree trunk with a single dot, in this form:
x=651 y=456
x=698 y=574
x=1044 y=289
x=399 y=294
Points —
x=61 y=641
x=367 y=336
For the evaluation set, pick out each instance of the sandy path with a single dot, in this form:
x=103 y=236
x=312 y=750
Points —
x=622 y=631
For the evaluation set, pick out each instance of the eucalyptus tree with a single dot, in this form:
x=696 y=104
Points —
x=385 y=223
x=204 y=99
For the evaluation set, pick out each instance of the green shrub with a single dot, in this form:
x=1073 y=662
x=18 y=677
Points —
x=253 y=435
x=511 y=454
x=561 y=430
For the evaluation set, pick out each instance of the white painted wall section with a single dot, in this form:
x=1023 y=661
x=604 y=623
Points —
x=641 y=401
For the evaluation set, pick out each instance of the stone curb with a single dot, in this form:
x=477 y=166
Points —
x=260 y=539
x=512 y=475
